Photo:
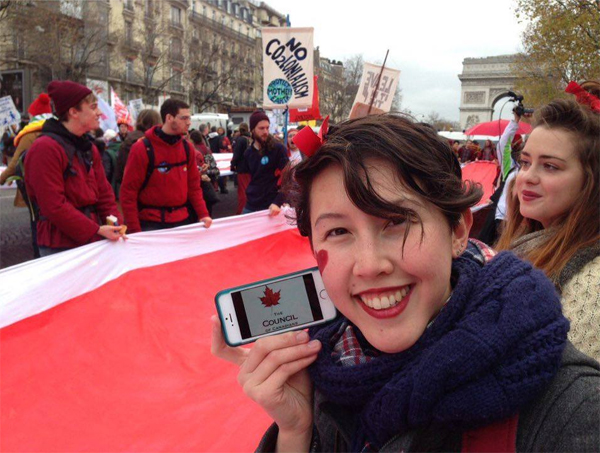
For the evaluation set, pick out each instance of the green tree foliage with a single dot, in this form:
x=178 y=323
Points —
x=561 y=43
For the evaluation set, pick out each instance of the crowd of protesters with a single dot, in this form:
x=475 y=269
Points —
x=82 y=184
x=73 y=175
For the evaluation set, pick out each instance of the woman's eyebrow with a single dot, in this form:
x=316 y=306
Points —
x=543 y=156
x=329 y=215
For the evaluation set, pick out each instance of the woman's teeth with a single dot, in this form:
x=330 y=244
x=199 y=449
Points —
x=385 y=300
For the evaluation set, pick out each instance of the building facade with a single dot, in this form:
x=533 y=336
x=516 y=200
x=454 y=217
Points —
x=206 y=52
x=332 y=86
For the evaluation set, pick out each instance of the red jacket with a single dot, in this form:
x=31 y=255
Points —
x=170 y=189
x=58 y=197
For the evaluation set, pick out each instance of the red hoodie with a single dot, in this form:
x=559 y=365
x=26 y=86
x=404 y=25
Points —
x=64 y=226
x=171 y=189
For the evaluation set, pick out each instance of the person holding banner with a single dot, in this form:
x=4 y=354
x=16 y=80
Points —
x=439 y=344
x=553 y=217
x=266 y=159
x=161 y=179
x=64 y=176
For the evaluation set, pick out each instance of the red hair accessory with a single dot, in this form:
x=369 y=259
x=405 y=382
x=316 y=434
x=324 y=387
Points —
x=308 y=142
x=583 y=97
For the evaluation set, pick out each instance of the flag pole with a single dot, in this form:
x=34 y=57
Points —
x=378 y=80
x=287 y=109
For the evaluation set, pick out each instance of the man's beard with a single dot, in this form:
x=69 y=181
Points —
x=263 y=143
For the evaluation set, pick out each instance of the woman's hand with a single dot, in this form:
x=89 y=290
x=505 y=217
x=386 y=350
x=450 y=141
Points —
x=274 y=374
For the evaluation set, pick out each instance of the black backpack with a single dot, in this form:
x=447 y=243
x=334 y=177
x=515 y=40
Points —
x=150 y=171
x=19 y=175
x=151 y=165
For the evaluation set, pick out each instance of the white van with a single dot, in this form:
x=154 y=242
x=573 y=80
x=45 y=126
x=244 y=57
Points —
x=212 y=119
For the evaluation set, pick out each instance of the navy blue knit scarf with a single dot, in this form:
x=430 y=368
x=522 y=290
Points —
x=491 y=350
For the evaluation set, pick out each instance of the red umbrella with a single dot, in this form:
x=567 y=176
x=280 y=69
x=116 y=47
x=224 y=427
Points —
x=495 y=128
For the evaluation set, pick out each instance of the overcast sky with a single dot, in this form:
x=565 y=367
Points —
x=428 y=40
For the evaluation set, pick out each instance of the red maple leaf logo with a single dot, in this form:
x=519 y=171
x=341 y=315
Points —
x=271 y=299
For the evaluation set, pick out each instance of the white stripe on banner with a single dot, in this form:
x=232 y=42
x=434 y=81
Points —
x=36 y=286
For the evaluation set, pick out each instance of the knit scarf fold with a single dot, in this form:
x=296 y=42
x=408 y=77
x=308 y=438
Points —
x=494 y=347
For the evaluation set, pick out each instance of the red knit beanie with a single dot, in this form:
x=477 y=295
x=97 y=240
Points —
x=40 y=106
x=256 y=118
x=66 y=94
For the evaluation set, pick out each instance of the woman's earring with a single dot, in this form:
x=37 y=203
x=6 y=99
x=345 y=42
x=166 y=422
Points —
x=459 y=251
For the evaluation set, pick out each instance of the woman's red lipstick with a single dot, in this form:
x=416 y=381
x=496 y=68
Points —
x=385 y=313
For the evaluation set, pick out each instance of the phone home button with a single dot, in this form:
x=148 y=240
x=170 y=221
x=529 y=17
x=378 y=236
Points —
x=323 y=294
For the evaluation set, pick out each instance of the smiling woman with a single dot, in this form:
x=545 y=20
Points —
x=434 y=339
x=554 y=218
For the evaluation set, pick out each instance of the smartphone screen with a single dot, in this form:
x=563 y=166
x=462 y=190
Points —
x=276 y=306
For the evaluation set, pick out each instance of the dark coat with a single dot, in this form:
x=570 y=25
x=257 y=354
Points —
x=564 y=418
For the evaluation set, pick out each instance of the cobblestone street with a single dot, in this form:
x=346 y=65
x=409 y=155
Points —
x=15 y=233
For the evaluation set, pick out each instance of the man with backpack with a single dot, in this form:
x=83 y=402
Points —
x=161 y=179
x=64 y=177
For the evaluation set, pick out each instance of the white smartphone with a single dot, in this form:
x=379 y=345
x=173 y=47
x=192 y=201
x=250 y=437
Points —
x=289 y=302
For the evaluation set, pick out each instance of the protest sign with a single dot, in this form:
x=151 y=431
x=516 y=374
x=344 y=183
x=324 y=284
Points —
x=310 y=113
x=135 y=107
x=288 y=67
x=384 y=91
x=8 y=112
x=99 y=87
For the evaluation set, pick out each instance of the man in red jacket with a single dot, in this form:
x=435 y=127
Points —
x=161 y=178
x=64 y=176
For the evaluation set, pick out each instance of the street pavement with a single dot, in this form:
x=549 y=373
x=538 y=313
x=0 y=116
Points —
x=15 y=232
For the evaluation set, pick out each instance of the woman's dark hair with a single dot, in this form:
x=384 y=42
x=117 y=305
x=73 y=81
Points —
x=147 y=119
x=196 y=137
x=422 y=160
x=244 y=129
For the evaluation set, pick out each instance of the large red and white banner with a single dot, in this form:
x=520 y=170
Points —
x=107 y=347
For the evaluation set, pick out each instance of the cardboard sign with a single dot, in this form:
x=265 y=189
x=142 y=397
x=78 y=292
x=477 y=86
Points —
x=288 y=67
x=135 y=107
x=8 y=112
x=384 y=93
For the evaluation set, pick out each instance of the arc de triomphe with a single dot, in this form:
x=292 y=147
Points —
x=484 y=80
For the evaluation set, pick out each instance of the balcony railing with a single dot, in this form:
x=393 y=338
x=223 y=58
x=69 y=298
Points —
x=218 y=26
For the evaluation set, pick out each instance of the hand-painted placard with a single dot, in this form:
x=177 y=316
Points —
x=368 y=84
x=8 y=112
x=288 y=67
x=135 y=107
